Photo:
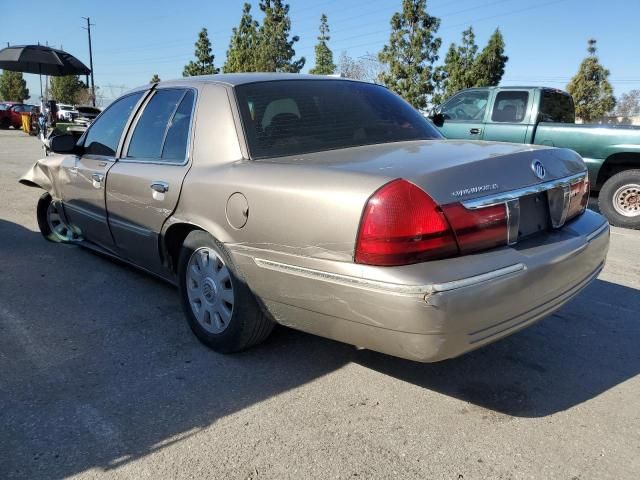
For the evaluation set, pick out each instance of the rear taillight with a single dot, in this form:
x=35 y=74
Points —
x=400 y=225
x=578 y=198
x=479 y=228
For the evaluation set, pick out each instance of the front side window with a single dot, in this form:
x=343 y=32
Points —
x=467 y=106
x=162 y=130
x=510 y=106
x=104 y=135
x=294 y=117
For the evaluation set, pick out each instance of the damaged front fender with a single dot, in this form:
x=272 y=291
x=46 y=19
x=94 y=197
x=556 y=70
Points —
x=46 y=174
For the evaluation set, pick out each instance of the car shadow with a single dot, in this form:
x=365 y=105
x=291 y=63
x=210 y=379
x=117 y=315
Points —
x=100 y=368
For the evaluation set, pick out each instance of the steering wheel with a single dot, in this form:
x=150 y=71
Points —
x=459 y=113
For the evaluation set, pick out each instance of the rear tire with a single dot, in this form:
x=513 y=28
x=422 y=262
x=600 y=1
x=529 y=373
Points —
x=5 y=123
x=619 y=199
x=220 y=308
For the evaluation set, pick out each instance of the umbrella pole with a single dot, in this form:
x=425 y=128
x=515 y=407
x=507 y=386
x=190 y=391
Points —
x=41 y=97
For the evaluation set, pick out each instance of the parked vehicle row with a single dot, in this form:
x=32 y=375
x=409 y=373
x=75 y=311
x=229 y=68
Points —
x=79 y=113
x=545 y=116
x=327 y=205
x=11 y=114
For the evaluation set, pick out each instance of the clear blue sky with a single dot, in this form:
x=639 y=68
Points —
x=132 y=40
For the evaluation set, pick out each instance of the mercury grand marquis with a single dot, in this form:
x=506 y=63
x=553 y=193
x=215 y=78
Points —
x=326 y=205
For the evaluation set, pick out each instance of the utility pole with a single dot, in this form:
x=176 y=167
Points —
x=93 y=85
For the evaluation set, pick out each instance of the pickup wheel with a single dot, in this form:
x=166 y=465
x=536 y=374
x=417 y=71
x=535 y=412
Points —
x=220 y=308
x=619 y=199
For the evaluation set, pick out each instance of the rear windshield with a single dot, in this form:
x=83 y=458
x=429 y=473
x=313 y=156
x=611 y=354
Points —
x=294 y=117
x=556 y=107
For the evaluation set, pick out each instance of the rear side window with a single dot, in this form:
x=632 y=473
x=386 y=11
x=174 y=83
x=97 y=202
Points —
x=104 y=134
x=510 y=106
x=294 y=117
x=177 y=139
x=556 y=107
x=148 y=136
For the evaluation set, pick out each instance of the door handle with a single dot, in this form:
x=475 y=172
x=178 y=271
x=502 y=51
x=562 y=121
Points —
x=160 y=187
x=475 y=131
x=97 y=179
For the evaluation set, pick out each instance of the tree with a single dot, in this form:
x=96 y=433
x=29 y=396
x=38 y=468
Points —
x=458 y=70
x=489 y=66
x=66 y=89
x=351 y=68
x=274 y=52
x=204 y=58
x=13 y=87
x=85 y=94
x=244 y=39
x=366 y=68
x=155 y=78
x=590 y=88
x=464 y=67
x=324 y=55
x=628 y=104
x=411 y=53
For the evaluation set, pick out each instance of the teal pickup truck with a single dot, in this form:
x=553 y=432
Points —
x=546 y=116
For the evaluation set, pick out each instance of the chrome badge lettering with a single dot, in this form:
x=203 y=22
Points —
x=477 y=189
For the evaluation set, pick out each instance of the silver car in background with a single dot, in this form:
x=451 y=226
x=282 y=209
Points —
x=326 y=205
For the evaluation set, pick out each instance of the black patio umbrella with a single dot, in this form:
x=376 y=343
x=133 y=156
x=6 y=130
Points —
x=41 y=60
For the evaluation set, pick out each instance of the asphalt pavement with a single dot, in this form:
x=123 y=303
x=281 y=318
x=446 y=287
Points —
x=100 y=377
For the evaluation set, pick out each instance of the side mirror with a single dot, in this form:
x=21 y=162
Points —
x=65 y=143
x=437 y=119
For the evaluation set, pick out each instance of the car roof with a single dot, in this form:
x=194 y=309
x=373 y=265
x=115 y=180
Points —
x=516 y=87
x=235 y=79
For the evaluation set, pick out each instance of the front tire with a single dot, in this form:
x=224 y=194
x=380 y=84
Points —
x=51 y=223
x=619 y=199
x=220 y=308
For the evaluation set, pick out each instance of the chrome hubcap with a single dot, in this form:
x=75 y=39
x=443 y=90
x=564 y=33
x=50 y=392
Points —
x=210 y=290
x=58 y=227
x=626 y=200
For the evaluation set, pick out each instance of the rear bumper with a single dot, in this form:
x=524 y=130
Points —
x=435 y=310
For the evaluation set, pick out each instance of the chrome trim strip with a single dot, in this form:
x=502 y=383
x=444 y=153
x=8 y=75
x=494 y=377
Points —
x=503 y=197
x=466 y=282
x=597 y=232
x=87 y=213
x=137 y=229
x=512 y=208
x=387 y=287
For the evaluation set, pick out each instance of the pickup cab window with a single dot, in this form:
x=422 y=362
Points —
x=556 y=107
x=467 y=106
x=510 y=106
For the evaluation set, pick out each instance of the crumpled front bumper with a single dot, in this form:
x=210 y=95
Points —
x=434 y=310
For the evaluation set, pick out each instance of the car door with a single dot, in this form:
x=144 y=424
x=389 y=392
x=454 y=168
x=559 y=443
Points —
x=144 y=185
x=83 y=191
x=464 y=115
x=507 y=122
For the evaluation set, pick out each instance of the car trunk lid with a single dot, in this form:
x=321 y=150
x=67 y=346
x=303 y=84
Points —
x=451 y=171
